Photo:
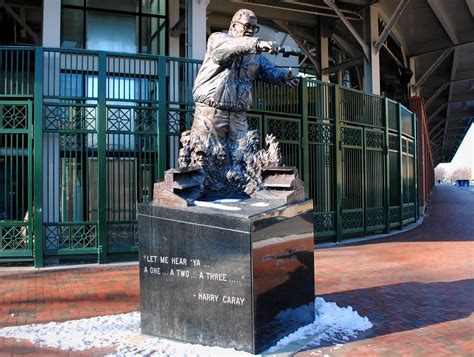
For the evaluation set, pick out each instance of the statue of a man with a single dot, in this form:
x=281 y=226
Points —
x=223 y=86
x=218 y=142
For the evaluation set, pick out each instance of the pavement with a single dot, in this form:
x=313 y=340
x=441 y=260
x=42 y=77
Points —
x=416 y=287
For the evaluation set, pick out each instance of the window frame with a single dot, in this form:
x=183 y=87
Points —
x=139 y=16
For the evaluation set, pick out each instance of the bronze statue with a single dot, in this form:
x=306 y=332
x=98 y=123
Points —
x=219 y=142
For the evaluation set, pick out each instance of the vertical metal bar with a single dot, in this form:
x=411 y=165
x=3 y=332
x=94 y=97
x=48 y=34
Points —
x=17 y=72
x=11 y=72
x=38 y=159
x=162 y=117
x=386 y=167
x=415 y=162
x=1 y=72
x=23 y=72
x=28 y=72
x=303 y=91
x=338 y=164
x=400 y=160
x=101 y=159
x=364 y=178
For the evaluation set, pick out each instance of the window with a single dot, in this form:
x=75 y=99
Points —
x=130 y=26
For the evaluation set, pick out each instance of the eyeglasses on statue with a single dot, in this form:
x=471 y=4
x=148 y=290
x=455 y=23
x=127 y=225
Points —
x=248 y=27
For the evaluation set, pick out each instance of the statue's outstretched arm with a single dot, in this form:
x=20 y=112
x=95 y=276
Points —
x=268 y=73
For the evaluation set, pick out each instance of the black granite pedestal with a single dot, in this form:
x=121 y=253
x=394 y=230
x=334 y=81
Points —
x=226 y=273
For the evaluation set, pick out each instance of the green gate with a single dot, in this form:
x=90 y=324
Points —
x=16 y=178
x=101 y=148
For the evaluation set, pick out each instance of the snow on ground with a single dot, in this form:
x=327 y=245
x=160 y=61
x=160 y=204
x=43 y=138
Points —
x=332 y=324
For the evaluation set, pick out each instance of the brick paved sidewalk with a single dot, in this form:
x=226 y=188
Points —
x=416 y=288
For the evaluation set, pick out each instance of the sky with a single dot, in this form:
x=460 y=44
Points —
x=464 y=157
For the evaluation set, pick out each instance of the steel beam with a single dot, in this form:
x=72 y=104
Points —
x=444 y=132
x=438 y=124
x=437 y=137
x=433 y=67
x=442 y=16
x=437 y=111
x=391 y=22
x=343 y=66
x=431 y=52
x=349 y=12
x=344 y=45
x=460 y=127
x=396 y=35
x=284 y=26
x=470 y=5
x=324 y=56
x=349 y=26
x=312 y=12
x=454 y=68
x=372 y=64
x=454 y=81
x=18 y=19
x=392 y=55
x=436 y=94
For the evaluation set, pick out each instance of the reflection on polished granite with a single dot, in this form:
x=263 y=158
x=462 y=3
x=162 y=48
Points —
x=226 y=272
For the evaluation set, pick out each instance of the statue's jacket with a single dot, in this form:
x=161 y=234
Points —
x=230 y=66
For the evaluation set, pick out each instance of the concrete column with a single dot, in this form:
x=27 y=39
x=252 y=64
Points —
x=52 y=23
x=340 y=74
x=51 y=166
x=412 y=65
x=371 y=65
x=197 y=27
x=324 y=51
x=173 y=18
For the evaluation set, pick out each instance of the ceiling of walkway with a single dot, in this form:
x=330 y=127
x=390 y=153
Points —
x=437 y=35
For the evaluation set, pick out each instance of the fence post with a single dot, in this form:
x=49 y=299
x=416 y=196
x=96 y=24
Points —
x=338 y=153
x=415 y=162
x=162 y=117
x=386 y=151
x=101 y=159
x=38 y=159
x=400 y=160
x=303 y=94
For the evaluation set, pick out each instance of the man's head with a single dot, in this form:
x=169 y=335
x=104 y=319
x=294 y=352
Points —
x=220 y=153
x=184 y=158
x=200 y=156
x=244 y=23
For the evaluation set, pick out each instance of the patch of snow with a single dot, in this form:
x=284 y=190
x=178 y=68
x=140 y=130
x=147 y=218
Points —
x=260 y=204
x=216 y=206
x=79 y=335
x=332 y=324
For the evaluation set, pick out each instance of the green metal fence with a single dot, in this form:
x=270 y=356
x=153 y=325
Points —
x=85 y=134
x=355 y=152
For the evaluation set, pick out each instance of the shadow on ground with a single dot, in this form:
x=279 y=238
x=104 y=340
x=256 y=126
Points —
x=407 y=306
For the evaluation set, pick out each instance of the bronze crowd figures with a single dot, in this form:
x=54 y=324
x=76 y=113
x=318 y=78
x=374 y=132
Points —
x=219 y=141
